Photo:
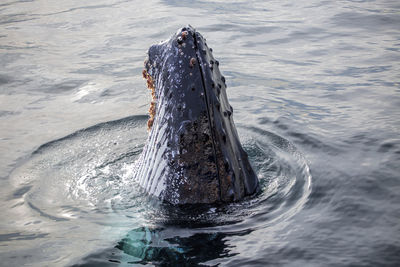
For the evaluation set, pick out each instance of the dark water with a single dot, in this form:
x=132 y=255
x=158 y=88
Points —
x=315 y=86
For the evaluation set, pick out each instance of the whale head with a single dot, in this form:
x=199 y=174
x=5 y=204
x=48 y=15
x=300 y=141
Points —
x=193 y=153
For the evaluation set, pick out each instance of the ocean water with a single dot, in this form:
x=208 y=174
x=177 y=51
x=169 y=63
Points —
x=315 y=87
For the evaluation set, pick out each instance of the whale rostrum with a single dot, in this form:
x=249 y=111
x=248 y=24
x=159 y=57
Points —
x=193 y=153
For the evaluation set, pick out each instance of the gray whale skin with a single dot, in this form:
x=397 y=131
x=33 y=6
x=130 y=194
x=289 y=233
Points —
x=193 y=153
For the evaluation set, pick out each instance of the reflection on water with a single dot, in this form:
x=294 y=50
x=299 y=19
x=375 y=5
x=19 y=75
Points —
x=315 y=90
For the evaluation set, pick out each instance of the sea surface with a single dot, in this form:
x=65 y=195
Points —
x=315 y=87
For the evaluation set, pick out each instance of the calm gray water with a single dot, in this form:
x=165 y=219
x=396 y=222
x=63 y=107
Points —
x=315 y=86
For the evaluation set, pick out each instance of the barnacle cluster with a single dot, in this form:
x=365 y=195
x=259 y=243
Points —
x=152 y=109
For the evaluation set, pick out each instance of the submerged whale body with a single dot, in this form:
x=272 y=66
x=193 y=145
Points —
x=193 y=153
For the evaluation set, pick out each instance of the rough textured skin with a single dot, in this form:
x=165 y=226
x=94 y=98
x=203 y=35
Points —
x=193 y=153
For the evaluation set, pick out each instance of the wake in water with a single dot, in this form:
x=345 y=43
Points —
x=84 y=182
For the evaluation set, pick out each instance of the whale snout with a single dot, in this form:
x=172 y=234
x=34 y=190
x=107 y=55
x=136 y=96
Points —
x=193 y=153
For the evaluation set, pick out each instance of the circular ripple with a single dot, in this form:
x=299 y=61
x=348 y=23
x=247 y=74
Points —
x=86 y=178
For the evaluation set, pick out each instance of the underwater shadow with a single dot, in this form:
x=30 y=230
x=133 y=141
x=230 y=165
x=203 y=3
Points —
x=164 y=247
